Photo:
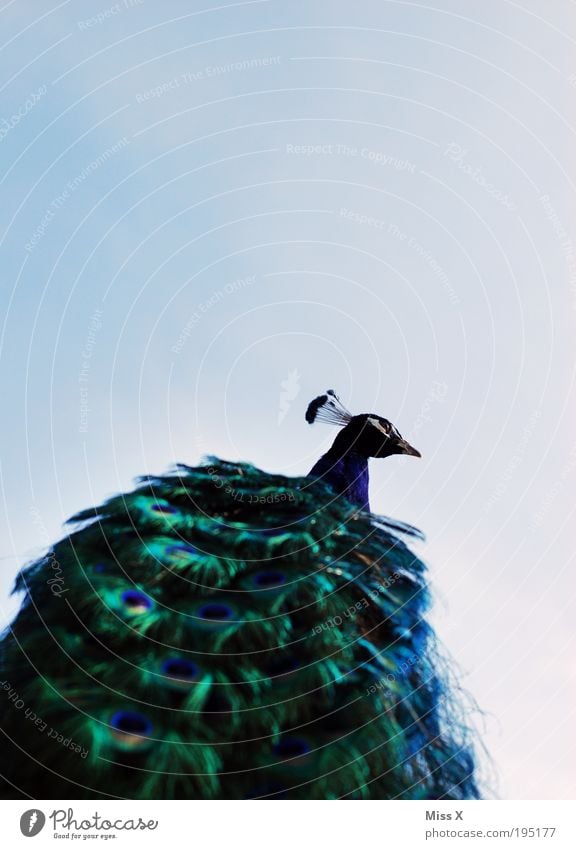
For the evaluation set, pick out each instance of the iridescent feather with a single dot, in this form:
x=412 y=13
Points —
x=221 y=632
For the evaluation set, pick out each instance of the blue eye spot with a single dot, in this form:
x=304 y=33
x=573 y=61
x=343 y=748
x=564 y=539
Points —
x=164 y=508
x=136 y=602
x=131 y=722
x=216 y=612
x=180 y=668
x=269 y=579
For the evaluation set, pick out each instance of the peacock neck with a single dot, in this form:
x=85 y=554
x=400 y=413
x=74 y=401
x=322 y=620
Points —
x=354 y=469
x=345 y=469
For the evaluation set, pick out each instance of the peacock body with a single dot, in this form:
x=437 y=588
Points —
x=222 y=632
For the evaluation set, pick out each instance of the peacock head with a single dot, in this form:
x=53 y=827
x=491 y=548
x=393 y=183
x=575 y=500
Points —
x=367 y=434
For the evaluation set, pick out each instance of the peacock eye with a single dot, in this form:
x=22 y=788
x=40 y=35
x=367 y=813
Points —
x=164 y=509
x=136 y=602
x=271 y=578
x=180 y=668
x=217 y=612
x=131 y=722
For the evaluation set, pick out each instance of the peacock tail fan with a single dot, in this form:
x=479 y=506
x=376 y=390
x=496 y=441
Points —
x=222 y=632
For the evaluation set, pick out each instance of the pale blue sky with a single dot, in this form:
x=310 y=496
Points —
x=201 y=202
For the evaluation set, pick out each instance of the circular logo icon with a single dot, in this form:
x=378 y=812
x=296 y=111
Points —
x=32 y=822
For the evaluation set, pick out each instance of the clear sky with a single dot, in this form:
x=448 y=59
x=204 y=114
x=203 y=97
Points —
x=212 y=212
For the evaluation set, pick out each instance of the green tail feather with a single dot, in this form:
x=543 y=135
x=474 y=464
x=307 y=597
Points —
x=226 y=633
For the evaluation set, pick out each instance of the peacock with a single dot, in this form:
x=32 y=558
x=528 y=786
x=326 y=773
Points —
x=345 y=465
x=222 y=632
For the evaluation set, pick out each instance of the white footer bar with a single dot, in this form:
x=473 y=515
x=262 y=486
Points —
x=298 y=825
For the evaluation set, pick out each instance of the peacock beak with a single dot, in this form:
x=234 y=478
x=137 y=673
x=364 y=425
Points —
x=404 y=447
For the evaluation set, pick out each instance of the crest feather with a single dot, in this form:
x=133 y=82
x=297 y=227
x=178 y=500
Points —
x=328 y=408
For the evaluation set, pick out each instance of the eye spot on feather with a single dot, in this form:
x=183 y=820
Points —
x=164 y=508
x=216 y=612
x=131 y=729
x=180 y=669
x=136 y=602
x=269 y=578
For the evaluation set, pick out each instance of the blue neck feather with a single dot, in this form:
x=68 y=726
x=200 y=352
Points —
x=346 y=471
